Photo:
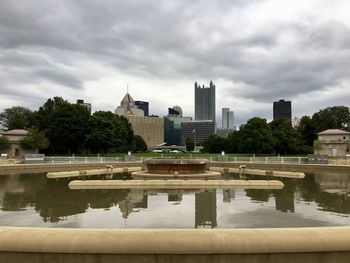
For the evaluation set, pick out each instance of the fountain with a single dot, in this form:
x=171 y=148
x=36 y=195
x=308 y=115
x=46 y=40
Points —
x=176 y=168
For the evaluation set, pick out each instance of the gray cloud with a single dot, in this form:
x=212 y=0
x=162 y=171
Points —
x=171 y=40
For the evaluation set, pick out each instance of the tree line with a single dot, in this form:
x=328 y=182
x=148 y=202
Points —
x=60 y=127
x=280 y=136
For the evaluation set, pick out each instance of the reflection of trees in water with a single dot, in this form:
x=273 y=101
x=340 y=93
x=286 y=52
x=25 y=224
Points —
x=54 y=201
x=310 y=190
x=333 y=202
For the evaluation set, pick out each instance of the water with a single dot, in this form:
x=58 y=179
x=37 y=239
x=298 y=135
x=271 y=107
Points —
x=34 y=201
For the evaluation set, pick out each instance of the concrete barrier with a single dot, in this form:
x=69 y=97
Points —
x=311 y=245
x=245 y=171
x=109 y=170
x=39 y=168
x=174 y=184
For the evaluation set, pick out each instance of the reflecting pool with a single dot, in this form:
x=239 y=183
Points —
x=35 y=201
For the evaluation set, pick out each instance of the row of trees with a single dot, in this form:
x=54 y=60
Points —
x=69 y=128
x=280 y=136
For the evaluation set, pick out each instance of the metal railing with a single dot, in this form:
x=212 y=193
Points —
x=73 y=159
x=98 y=159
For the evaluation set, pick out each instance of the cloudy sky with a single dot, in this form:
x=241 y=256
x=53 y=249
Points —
x=255 y=51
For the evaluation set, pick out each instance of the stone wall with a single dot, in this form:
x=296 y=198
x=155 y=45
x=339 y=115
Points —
x=151 y=129
x=309 y=245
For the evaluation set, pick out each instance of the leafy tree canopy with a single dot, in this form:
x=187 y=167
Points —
x=4 y=143
x=214 y=144
x=16 y=118
x=307 y=130
x=256 y=137
x=109 y=132
x=64 y=124
x=140 y=144
x=189 y=145
x=337 y=117
x=35 y=140
x=286 y=137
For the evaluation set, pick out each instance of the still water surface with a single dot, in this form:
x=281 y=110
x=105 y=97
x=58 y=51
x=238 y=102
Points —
x=32 y=200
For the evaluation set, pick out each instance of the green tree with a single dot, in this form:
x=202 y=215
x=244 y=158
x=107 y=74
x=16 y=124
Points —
x=214 y=144
x=108 y=132
x=337 y=117
x=256 y=137
x=140 y=144
x=16 y=118
x=189 y=145
x=64 y=124
x=35 y=140
x=307 y=130
x=4 y=143
x=234 y=140
x=286 y=137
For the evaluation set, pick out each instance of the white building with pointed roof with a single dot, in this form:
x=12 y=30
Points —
x=128 y=108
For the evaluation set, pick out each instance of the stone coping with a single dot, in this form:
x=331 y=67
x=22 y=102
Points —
x=202 y=175
x=175 y=241
x=35 y=168
x=174 y=184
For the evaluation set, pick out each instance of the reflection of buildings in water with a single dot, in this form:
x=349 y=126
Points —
x=228 y=194
x=13 y=184
x=205 y=209
x=134 y=199
x=175 y=197
x=285 y=201
x=333 y=183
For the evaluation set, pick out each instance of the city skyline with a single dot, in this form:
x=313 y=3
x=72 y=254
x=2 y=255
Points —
x=256 y=52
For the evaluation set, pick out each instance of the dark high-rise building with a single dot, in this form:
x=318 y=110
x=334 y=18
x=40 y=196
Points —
x=196 y=130
x=282 y=110
x=205 y=205
x=204 y=102
x=142 y=105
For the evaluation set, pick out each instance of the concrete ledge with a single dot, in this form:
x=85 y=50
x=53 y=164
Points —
x=80 y=173
x=245 y=171
x=174 y=184
x=168 y=241
x=58 y=167
x=38 y=168
x=147 y=175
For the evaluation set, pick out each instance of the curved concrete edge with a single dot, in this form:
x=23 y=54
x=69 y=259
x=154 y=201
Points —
x=174 y=184
x=90 y=172
x=147 y=175
x=168 y=241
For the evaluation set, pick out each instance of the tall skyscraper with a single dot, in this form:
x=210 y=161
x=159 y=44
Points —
x=227 y=118
x=143 y=105
x=282 y=110
x=204 y=102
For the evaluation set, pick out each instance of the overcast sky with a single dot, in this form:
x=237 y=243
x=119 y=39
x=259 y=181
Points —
x=255 y=51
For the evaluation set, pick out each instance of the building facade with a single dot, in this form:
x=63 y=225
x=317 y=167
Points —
x=84 y=104
x=204 y=102
x=197 y=131
x=15 y=137
x=282 y=110
x=151 y=129
x=128 y=108
x=227 y=118
x=143 y=105
x=332 y=142
x=172 y=129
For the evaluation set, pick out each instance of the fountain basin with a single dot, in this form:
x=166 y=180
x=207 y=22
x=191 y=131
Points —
x=172 y=165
